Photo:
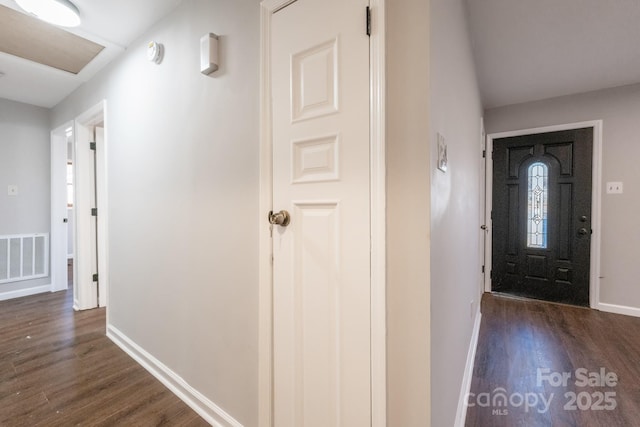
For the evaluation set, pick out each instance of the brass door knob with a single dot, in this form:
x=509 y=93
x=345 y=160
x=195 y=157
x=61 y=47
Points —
x=281 y=218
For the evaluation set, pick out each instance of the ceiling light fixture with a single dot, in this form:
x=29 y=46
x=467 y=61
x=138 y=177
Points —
x=57 y=12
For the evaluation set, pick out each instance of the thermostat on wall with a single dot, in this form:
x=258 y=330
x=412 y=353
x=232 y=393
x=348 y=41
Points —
x=208 y=53
x=155 y=52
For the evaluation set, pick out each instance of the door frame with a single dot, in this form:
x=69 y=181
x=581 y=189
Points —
x=596 y=200
x=83 y=132
x=377 y=209
x=59 y=229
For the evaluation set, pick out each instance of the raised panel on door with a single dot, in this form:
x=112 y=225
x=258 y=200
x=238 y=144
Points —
x=317 y=305
x=321 y=266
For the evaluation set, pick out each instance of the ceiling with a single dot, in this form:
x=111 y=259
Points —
x=529 y=50
x=524 y=50
x=114 y=24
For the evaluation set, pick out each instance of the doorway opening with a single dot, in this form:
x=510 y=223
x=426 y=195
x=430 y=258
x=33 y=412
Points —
x=62 y=206
x=71 y=231
x=79 y=209
x=91 y=262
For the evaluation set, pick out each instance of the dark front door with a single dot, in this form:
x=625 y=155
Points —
x=542 y=215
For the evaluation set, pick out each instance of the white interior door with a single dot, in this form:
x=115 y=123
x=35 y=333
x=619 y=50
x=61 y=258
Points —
x=85 y=262
x=93 y=229
x=321 y=161
x=59 y=213
x=101 y=230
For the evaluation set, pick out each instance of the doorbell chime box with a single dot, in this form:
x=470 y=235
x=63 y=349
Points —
x=208 y=53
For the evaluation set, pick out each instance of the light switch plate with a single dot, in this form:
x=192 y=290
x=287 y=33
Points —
x=12 y=190
x=614 y=188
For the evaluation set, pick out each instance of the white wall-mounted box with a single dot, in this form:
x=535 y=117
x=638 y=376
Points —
x=208 y=53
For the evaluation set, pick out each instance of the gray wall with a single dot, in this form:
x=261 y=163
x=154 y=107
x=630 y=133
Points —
x=407 y=139
x=455 y=112
x=183 y=198
x=619 y=108
x=24 y=161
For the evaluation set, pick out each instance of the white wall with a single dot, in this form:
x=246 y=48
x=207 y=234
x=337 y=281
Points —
x=455 y=113
x=24 y=161
x=619 y=108
x=183 y=199
x=407 y=139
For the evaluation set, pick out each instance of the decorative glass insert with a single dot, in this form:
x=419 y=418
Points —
x=538 y=179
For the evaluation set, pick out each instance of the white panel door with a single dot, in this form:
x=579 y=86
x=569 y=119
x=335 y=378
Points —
x=320 y=96
x=93 y=232
x=59 y=228
x=101 y=230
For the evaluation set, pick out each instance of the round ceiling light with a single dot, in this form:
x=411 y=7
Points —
x=57 y=12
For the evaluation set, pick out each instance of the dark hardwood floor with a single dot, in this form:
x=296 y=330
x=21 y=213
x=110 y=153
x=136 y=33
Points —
x=526 y=347
x=57 y=368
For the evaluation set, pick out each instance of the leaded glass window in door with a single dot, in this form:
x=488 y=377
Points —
x=538 y=197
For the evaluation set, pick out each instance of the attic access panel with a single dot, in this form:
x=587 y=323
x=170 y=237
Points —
x=32 y=39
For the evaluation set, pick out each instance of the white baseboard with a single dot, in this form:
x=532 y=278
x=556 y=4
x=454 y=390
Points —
x=208 y=410
x=465 y=389
x=24 y=292
x=619 y=309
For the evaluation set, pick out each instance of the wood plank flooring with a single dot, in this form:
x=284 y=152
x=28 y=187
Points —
x=58 y=368
x=519 y=339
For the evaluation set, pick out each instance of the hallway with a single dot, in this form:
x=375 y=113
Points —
x=58 y=368
x=557 y=365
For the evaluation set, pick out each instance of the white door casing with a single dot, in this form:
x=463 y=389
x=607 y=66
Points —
x=321 y=175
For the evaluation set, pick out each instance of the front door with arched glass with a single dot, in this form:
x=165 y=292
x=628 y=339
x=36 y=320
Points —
x=541 y=215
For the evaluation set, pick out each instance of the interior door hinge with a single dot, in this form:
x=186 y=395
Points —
x=483 y=269
x=92 y=146
x=484 y=153
x=95 y=277
x=94 y=211
x=368 y=21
